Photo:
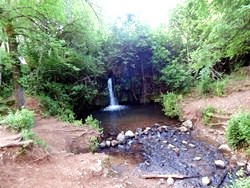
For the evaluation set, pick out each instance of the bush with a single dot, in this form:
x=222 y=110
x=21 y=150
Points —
x=178 y=77
x=242 y=182
x=238 y=131
x=207 y=114
x=94 y=123
x=205 y=85
x=20 y=120
x=219 y=87
x=55 y=108
x=171 y=105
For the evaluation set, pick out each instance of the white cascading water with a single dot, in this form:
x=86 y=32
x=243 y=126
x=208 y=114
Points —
x=113 y=102
x=112 y=98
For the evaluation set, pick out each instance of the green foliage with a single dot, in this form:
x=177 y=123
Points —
x=242 y=182
x=177 y=77
x=20 y=120
x=207 y=114
x=94 y=144
x=219 y=87
x=94 y=123
x=23 y=121
x=171 y=105
x=57 y=108
x=238 y=131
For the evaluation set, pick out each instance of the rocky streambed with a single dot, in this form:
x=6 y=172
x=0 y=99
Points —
x=165 y=150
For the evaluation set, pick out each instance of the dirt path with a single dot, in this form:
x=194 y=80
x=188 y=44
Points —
x=59 y=167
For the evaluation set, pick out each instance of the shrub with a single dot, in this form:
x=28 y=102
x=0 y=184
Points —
x=207 y=114
x=242 y=182
x=54 y=108
x=238 y=131
x=94 y=123
x=20 y=120
x=205 y=85
x=94 y=144
x=177 y=76
x=219 y=87
x=171 y=105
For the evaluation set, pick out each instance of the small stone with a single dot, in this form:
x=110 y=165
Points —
x=219 y=163
x=191 y=145
x=177 y=150
x=183 y=129
x=114 y=143
x=164 y=141
x=205 y=181
x=241 y=163
x=129 y=134
x=121 y=137
x=147 y=163
x=184 y=142
x=102 y=144
x=175 y=139
x=108 y=143
x=170 y=181
x=188 y=124
x=161 y=181
x=197 y=159
x=224 y=148
x=171 y=146
x=248 y=167
x=138 y=130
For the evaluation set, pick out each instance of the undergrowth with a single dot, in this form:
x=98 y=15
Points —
x=22 y=121
x=93 y=123
x=171 y=106
x=238 y=131
x=207 y=114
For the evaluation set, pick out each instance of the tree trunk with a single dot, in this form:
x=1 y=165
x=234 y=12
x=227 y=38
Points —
x=19 y=94
x=143 y=85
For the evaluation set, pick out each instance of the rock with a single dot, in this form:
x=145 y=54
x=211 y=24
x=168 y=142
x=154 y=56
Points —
x=197 y=159
x=219 y=163
x=121 y=137
x=108 y=143
x=164 y=141
x=183 y=129
x=121 y=147
x=114 y=143
x=248 y=167
x=205 y=181
x=188 y=124
x=161 y=181
x=138 y=130
x=170 y=181
x=129 y=134
x=224 y=148
x=241 y=163
x=171 y=146
x=184 y=142
x=102 y=144
x=191 y=145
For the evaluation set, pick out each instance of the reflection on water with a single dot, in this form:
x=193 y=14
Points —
x=131 y=118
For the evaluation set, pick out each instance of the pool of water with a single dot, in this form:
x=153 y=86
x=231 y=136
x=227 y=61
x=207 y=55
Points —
x=131 y=118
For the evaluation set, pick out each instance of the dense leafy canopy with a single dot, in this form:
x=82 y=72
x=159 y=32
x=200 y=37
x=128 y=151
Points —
x=70 y=52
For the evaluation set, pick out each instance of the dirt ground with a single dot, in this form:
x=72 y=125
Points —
x=61 y=166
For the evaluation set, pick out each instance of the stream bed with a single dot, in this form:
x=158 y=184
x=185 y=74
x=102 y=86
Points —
x=164 y=148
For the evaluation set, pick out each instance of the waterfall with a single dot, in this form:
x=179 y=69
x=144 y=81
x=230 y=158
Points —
x=113 y=105
x=112 y=98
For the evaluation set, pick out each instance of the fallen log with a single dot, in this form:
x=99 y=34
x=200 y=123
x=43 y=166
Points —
x=174 y=176
x=16 y=143
x=17 y=137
